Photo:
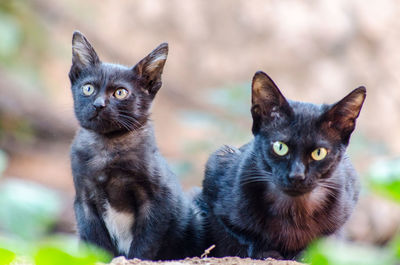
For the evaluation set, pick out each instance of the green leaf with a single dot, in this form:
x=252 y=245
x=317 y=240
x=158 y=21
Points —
x=395 y=246
x=333 y=252
x=6 y=256
x=86 y=255
x=52 y=255
x=315 y=255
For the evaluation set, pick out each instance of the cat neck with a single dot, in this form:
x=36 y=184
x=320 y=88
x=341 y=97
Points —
x=144 y=136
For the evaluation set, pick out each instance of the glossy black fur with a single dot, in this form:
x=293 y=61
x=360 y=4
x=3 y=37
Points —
x=257 y=208
x=116 y=162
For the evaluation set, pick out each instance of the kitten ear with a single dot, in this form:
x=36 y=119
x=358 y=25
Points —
x=83 y=54
x=150 y=68
x=267 y=101
x=341 y=117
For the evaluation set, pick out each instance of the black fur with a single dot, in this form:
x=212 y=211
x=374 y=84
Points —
x=117 y=167
x=264 y=205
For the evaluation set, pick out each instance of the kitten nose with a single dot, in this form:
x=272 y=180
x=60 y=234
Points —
x=99 y=103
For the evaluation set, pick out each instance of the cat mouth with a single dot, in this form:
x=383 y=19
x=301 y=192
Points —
x=296 y=191
x=94 y=116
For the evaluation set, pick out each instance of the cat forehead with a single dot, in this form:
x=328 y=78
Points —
x=106 y=72
x=304 y=111
x=301 y=125
x=114 y=70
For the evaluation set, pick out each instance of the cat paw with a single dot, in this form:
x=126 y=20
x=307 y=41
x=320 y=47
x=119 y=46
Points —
x=268 y=254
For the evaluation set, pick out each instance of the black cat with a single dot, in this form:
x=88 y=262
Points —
x=127 y=199
x=291 y=184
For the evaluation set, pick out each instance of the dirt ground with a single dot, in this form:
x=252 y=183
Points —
x=205 y=261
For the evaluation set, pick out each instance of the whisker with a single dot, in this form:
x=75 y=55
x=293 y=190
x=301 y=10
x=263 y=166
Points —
x=255 y=175
x=131 y=120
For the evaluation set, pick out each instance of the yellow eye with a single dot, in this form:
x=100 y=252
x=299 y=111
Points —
x=319 y=153
x=121 y=93
x=88 y=89
x=280 y=148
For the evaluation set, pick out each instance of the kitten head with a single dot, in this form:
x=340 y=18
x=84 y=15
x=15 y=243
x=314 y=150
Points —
x=112 y=98
x=302 y=143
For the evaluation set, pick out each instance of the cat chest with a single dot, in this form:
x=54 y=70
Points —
x=294 y=235
x=119 y=225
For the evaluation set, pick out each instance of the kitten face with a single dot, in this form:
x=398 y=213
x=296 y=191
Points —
x=109 y=97
x=301 y=142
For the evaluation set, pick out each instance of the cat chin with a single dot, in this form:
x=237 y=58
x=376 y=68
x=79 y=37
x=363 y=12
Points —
x=101 y=129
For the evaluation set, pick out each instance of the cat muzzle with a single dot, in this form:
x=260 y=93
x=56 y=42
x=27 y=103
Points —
x=297 y=190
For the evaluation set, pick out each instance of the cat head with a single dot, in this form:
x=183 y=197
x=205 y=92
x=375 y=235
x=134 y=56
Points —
x=301 y=142
x=112 y=98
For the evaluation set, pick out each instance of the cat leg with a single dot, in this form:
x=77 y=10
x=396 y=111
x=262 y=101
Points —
x=91 y=227
x=146 y=244
x=259 y=251
x=148 y=235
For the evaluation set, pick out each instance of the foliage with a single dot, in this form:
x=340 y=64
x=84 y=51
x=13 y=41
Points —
x=28 y=212
x=57 y=250
x=332 y=252
x=384 y=178
x=50 y=255
x=27 y=209
x=23 y=47
x=6 y=256
x=22 y=36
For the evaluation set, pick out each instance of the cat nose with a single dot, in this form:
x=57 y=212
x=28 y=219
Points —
x=298 y=172
x=99 y=103
x=297 y=177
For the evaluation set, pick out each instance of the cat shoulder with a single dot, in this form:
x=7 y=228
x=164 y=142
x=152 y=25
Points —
x=222 y=158
x=217 y=168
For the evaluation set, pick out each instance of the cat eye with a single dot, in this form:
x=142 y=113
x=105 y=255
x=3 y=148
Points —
x=280 y=148
x=319 y=153
x=88 y=89
x=121 y=93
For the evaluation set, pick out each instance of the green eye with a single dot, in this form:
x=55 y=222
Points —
x=280 y=148
x=88 y=89
x=121 y=93
x=319 y=153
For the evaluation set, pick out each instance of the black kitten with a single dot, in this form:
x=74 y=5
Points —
x=127 y=199
x=293 y=183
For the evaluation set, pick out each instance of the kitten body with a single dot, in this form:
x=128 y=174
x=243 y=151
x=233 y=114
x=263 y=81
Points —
x=262 y=204
x=127 y=200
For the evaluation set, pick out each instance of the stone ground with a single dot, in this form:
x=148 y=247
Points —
x=205 y=261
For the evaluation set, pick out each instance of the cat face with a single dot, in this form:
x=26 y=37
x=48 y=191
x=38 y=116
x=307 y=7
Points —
x=301 y=142
x=110 y=97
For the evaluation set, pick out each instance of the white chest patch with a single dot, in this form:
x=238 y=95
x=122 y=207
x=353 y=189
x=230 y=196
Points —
x=119 y=225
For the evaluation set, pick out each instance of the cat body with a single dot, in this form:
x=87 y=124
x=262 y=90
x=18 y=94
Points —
x=274 y=195
x=127 y=200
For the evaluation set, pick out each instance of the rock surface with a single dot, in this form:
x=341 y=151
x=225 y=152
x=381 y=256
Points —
x=205 y=261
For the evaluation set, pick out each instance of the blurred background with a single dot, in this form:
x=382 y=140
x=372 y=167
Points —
x=316 y=51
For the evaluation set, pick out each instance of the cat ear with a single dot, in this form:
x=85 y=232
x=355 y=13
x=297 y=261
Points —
x=83 y=54
x=267 y=101
x=150 y=68
x=341 y=117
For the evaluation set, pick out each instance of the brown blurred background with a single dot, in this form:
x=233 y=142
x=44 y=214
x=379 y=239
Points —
x=316 y=51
